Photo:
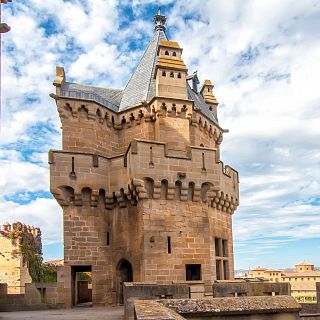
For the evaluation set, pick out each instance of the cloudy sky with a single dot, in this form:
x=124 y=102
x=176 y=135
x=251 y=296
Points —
x=263 y=57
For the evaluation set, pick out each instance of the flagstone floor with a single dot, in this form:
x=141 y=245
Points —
x=110 y=313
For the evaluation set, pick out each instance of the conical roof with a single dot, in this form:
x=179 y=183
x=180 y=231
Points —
x=142 y=85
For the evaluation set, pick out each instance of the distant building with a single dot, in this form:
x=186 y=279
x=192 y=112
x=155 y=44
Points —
x=271 y=275
x=12 y=270
x=56 y=263
x=302 y=279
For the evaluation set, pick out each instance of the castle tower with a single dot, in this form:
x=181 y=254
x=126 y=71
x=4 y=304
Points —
x=144 y=193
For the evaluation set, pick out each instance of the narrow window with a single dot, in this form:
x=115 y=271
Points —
x=208 y=89
x=166 y=53
x=224 y=248
x=218 y=269
x=225 y=270
x=169 y=244
x=108 y=239
x=163 y=73
x=174 y=54
x=179 y=75
x=171 y=75
x=193 y=272
x=217 y=246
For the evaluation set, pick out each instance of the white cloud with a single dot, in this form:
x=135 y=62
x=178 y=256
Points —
x=17 y=176
x=43 y=213
x=263 y=61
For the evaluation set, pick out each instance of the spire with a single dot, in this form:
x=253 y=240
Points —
x=159 y=21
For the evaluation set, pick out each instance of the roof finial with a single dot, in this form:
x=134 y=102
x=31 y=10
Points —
x=159 y=21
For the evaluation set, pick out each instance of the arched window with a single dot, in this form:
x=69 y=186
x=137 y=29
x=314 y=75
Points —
x=163 y=73
x=166 y=53
x=174 y=54
x=208 y=89
x=179 y=75
x=171 y=75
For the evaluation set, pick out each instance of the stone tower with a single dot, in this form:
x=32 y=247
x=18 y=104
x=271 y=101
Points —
x=144 y=193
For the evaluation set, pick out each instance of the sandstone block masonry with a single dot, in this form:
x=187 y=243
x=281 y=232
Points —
x=145 y=195
x=13 y=272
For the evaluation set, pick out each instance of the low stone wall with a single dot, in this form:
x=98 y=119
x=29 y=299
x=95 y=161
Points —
x=310 y=308
x=310 y=316
x=37 y=296
x=240 y=308
x=153 y=310
x=143 y=291
x=239 y=289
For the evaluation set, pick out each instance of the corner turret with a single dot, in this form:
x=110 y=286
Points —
x=209 y=97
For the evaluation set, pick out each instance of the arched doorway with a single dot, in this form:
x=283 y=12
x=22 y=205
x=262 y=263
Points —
x=124 y=274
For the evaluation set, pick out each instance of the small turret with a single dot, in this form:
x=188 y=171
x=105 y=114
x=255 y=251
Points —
x=209 y=97
x=6 y=226
x=170 y=71
x=60 y=79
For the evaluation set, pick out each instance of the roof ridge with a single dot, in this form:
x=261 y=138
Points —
x=154 y=62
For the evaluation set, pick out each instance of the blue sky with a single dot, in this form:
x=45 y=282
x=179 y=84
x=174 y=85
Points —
x=263 y=58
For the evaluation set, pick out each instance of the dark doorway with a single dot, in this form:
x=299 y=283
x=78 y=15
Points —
x=81 y=285
x=124 y=274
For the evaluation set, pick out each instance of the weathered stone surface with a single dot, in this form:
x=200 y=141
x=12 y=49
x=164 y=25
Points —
x=152 y=310
x=245 y=305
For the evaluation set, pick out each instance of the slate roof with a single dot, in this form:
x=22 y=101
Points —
x=110 y=98
x=141 y=86
x=199 y=104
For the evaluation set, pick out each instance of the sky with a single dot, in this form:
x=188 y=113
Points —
x=263 y=58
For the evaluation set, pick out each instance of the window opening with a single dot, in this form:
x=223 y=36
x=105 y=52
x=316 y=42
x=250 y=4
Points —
x=193 y=272
x=169 y=244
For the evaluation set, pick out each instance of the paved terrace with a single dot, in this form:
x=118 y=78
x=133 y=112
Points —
x=110 y=313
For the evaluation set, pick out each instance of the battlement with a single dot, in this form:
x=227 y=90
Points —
x=90 y=127
x=148 y=170
x=18 y=226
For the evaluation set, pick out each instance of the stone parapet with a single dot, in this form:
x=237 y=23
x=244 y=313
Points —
x=150 y=291
x=235 y=289
x=140 y=173
x=281 y=307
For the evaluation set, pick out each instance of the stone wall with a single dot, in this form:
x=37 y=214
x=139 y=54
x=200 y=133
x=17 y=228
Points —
x=144 y=291
x=241 y=308
x=37 y=296
x=192 y=228
x=12 y=270
x=238 y=289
